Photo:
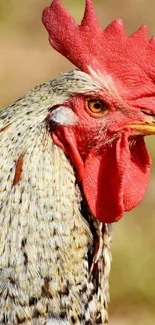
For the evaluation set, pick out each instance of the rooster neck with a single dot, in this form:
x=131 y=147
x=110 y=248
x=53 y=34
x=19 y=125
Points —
x=99 y=261
x=51 y=264
x=52 y=256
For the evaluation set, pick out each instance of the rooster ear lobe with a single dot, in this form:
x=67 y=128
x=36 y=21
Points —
x=63 y=115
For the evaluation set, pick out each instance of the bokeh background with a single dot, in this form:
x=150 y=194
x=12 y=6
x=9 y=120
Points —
x=26 y=59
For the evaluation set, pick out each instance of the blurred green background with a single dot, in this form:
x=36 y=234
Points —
x=26 y=59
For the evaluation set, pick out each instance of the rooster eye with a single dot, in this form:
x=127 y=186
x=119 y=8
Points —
x=97 y=106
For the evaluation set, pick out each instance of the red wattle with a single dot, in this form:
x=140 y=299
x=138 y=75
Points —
x=116 y=179
x=138 y=171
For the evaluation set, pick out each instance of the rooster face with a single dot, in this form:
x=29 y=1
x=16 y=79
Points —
x=105 y=138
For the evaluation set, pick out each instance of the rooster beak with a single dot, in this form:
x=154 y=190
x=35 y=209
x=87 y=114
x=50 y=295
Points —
x=142 y=128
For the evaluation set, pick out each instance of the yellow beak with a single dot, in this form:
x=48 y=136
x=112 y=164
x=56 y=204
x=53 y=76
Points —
x=143 y=128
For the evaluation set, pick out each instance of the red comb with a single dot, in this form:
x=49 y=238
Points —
x=73 y=41
x=129 y=59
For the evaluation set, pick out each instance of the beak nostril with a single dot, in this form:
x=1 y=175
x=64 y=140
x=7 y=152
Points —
x=147 y=112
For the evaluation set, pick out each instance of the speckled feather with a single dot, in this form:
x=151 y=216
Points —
x=45 y=274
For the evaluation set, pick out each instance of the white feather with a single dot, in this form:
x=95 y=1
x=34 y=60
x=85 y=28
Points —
x=64 y=116
x=105 y=81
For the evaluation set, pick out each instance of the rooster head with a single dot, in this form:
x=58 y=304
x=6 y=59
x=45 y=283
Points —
x=104 y=132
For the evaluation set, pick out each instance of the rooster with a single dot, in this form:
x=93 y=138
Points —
x=72 y=161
